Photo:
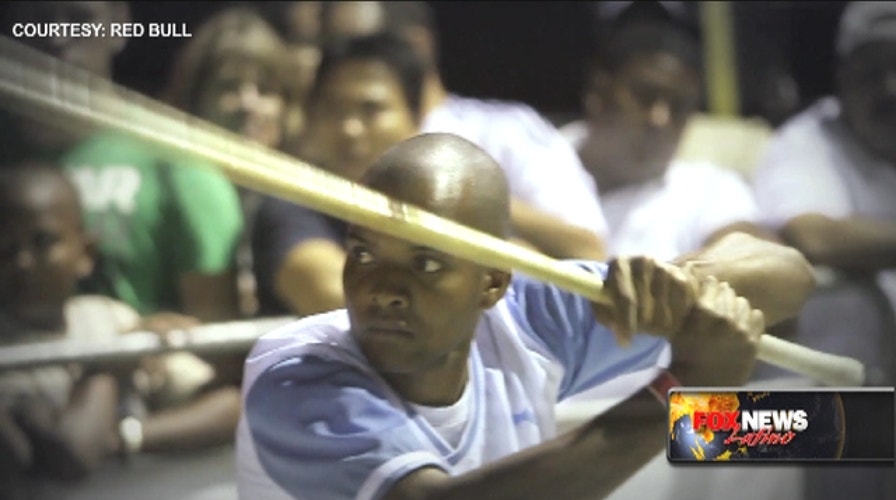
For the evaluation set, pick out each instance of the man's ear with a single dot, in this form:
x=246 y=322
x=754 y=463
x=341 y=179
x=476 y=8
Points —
x=495 y=285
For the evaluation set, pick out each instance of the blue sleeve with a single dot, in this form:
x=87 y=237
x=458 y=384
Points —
x=322 y=429
x=563 y=324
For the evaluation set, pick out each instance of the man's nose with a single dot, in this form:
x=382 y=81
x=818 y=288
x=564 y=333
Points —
x=352 y=126
x=389 y=292
x=249 y=96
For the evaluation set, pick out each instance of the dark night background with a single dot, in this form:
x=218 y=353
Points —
x=526 y=51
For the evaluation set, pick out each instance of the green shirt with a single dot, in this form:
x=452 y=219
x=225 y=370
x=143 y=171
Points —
x=156 y=217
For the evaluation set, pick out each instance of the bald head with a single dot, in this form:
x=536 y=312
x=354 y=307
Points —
x=447 y=175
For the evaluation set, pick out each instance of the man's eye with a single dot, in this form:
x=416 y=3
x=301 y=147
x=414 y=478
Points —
x=361 y=255
x=371 y=108
x=428 y=265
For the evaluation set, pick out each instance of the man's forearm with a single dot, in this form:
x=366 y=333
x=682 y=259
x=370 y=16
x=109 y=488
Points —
x=73 y=446
x=309 y=280
x=209 y=420
x=614 y=446
x=553 y=236
x=776 y=279
x=852 y=244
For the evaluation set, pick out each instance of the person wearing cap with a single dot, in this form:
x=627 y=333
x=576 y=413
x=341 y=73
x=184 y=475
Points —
x=827 y=185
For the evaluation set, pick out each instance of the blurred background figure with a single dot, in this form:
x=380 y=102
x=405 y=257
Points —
x=93 y=54
x=642 y=86
x=298 y=24
x=342 y=20
x=366 y=98
x=747 y=85
x=55 y=423
x=233 y=73
x=766 y=87
x=166 y=229
x=554 y=206
x=827 y=185
x=59 y=422
x=158 y=250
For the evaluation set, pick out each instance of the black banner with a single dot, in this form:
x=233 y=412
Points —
x=819 y=425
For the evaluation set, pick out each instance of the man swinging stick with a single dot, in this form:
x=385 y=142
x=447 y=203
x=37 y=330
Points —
x=440 y=377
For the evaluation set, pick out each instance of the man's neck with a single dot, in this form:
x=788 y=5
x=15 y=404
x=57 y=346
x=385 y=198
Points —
x=592 y=161
x=441 y=385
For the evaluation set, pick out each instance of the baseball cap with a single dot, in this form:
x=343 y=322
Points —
x=864 y=22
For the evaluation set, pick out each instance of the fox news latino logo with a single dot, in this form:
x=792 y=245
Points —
x=753 y=427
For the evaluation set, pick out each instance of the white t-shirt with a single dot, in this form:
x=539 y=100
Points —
x=814 y=165
x=541 y=167
x=90 y=318
x=675 y=214
x=95 y=318
x=319 y=423
x=449 y=421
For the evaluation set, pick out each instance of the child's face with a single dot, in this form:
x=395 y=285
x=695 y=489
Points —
x=43 y=253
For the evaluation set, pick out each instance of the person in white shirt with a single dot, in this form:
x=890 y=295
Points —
x=554 y=206
x=60 y=421
x=366 y=97
x=642 y=86
x=827 y=185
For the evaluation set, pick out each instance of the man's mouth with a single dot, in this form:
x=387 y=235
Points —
x=389 y=328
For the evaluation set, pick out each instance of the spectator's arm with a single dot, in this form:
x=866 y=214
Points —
x=309 y=280
x=851 y=243
x=747 y=227
x=208 y=420
x=774 y=278
x=553 y=236
x=71 y=445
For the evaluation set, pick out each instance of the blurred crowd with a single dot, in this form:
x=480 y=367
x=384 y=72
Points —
x=103 y=234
